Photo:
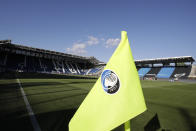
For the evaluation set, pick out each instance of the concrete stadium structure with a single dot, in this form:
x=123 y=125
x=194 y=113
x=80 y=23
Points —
x=19 y=58
x=14 y=57
x=168 y=68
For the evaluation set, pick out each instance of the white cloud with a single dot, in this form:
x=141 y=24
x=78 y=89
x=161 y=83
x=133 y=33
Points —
x=78 y=49
x=112 y=42
x=92 y=40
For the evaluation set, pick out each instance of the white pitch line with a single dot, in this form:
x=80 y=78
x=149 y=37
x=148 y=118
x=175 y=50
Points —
x=29 y=109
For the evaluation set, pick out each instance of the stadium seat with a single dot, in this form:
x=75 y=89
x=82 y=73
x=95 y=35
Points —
x=143 y=71
x=165 y=72
x=182 y=70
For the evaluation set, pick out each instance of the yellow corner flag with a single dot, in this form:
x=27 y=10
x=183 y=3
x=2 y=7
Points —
x=116 y=96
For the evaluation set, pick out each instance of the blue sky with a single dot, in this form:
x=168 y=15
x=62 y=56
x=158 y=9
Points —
x=156 y=28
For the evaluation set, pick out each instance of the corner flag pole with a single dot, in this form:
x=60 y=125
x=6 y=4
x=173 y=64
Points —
x=127 y=126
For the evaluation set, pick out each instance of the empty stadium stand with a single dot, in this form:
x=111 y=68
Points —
x=168 y=68
x=165 y=72
x=154 y=70
x=143 y=71
x=184 y=71
x=14 y=57
x=95 y=71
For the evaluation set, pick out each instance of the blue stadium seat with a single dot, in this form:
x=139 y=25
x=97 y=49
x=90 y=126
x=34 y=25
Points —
x=165 y=72
x=95 y=70
x=143 y=71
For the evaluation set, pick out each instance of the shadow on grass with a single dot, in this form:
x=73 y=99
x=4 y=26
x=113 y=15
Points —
x=60 y=98
x=14 y=118
x=7 y=90
x=153 y=124
x=52 y=85
x=49 y=89
x=55 y=121
x=32 y=84
x=51 y=121
x=7 y=87
x=188 y=119
x=16 y=124
x=14 y=99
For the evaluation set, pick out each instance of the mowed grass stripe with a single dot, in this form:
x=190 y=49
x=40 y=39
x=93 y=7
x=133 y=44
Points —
x=64 y=94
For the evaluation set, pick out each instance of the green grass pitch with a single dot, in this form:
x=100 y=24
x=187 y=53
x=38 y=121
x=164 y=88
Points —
x=171 y=105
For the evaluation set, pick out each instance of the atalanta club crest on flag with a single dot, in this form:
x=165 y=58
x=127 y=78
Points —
x=110 y=82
